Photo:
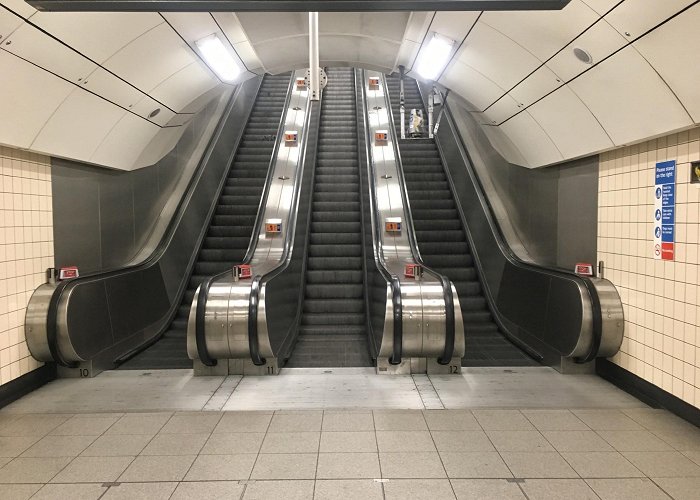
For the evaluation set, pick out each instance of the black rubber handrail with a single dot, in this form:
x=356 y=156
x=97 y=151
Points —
x=449 y=348
x=391 y=278
x=252 y=245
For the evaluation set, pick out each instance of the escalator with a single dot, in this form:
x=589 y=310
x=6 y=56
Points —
x=333 y=330
x=231 y=226
x=442 y=239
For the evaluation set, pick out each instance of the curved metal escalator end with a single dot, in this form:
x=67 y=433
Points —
x=608 y=320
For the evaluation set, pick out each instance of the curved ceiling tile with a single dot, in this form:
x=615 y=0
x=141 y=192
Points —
x=601 y=6
x=8 y=23
x=503 y=109
x=531 y=140
x=454 y=25
x=537 y=85
x=544 y=32
x=500 y=141
x=19 y=81
x=387 y=25
x=570 y=124
x=496 y=56
x=184 y=86
x=125 y=142
x=636 y=17
x=357 y=50
x=98 y=35
x=629 y=99
x=282 y=55
x=31 y=44
x=151 y=58
x=264 y=26
x=20 y=7
x=78 y=126
x=110 y=87
x=231 y=26
x=669 y=48
x=471 y=85
x=600 y=41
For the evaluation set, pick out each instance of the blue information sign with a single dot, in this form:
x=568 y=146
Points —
x=665 y=210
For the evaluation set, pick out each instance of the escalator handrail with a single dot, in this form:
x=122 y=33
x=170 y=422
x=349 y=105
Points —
x=413 y=242
x=252 y=245
x=509 y=254
x=390 y=277
x=57 y=295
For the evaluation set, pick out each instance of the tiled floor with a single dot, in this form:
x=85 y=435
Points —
x=608 y=446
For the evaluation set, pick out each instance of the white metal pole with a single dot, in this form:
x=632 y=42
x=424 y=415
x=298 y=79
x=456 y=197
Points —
x=314 y=70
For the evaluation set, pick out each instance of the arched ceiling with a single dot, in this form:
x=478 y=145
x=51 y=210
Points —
x=83 y=85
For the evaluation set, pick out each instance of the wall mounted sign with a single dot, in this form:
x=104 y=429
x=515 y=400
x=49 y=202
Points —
x=695 y=172
x=665 y=210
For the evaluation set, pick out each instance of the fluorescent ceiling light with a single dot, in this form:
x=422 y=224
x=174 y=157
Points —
x=218 y=58
x=434 y=57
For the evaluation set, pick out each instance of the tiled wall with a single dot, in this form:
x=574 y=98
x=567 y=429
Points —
x=662 y=311
x=26 y=250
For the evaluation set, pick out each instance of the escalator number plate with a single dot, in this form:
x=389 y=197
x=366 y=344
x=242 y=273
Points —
x=381 y=137
x=373 y=82
x=392 y=224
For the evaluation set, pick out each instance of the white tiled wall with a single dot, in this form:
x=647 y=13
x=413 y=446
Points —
x=26 y=250
x=660 y=298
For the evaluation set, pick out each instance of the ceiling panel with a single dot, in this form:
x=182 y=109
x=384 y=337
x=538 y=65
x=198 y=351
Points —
x=496 y=56
x=19 y=81
x=500 y=141
x=389 y=25
x=472 y=85
x=281 y=55
x=601 y=6
x=151 y=58
x=262 y=26
x=502 y=110
x=629 y=99
x=125 y=142
x=636 y=17
x=539 y=84
x=454 y=25
x=98 y=35
x=543 y=32
x=20 y=7
x=600 y=41
x=229 y=23
x=357 y=50
x=184 y=86
x=8 y=23
x=531 y=140
x=78 y=126
x=33 y=45
x=669 y=49
x=570 y=124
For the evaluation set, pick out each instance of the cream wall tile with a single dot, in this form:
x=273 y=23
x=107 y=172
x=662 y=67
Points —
x=26 y=249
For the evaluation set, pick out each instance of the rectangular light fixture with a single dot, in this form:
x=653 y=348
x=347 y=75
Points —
x=434 y=57
x=218 y=58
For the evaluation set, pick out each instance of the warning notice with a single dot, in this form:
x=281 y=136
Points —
x=665 y=210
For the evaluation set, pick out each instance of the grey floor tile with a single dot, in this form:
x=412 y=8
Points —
x=628 y=489
x=680 y=488
x=209 y=490
x=607 y=420
x=519 y=441
x=693 y=455
x=93 y=470
x=84 y=426
x=202 y=423
x=535 y=465
x=405 y=420
x=32 y=470
x=555 y=420
x=59 y=446
x=175 y=444
x=634 y=441
x=400 y=441
x=233 y=443
x=70 y=491
x=486 y=489
x=288 y=490
x=681 y=439
x=348 y=442
x=577 y=441
x=483 y=465
x=656 y=419
x=348 y=466
x=285 y=466
x=140 y=423
x=18 y=491
x=291 y=442
x=415 y=465
x=347 y=421
x=14 y=446
x=663 y=463
x=157 y=468
x=296 y=422
x=451 y=420
x=601 y=464
x=244 y=421
x=462 y=441
x=555 y=489
x=503 y=420
x=4 y=460
x=221 y=467
x=114 y=445
x=32 y=425
x=348 y=489
x=418 y=489
x=140 y=491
